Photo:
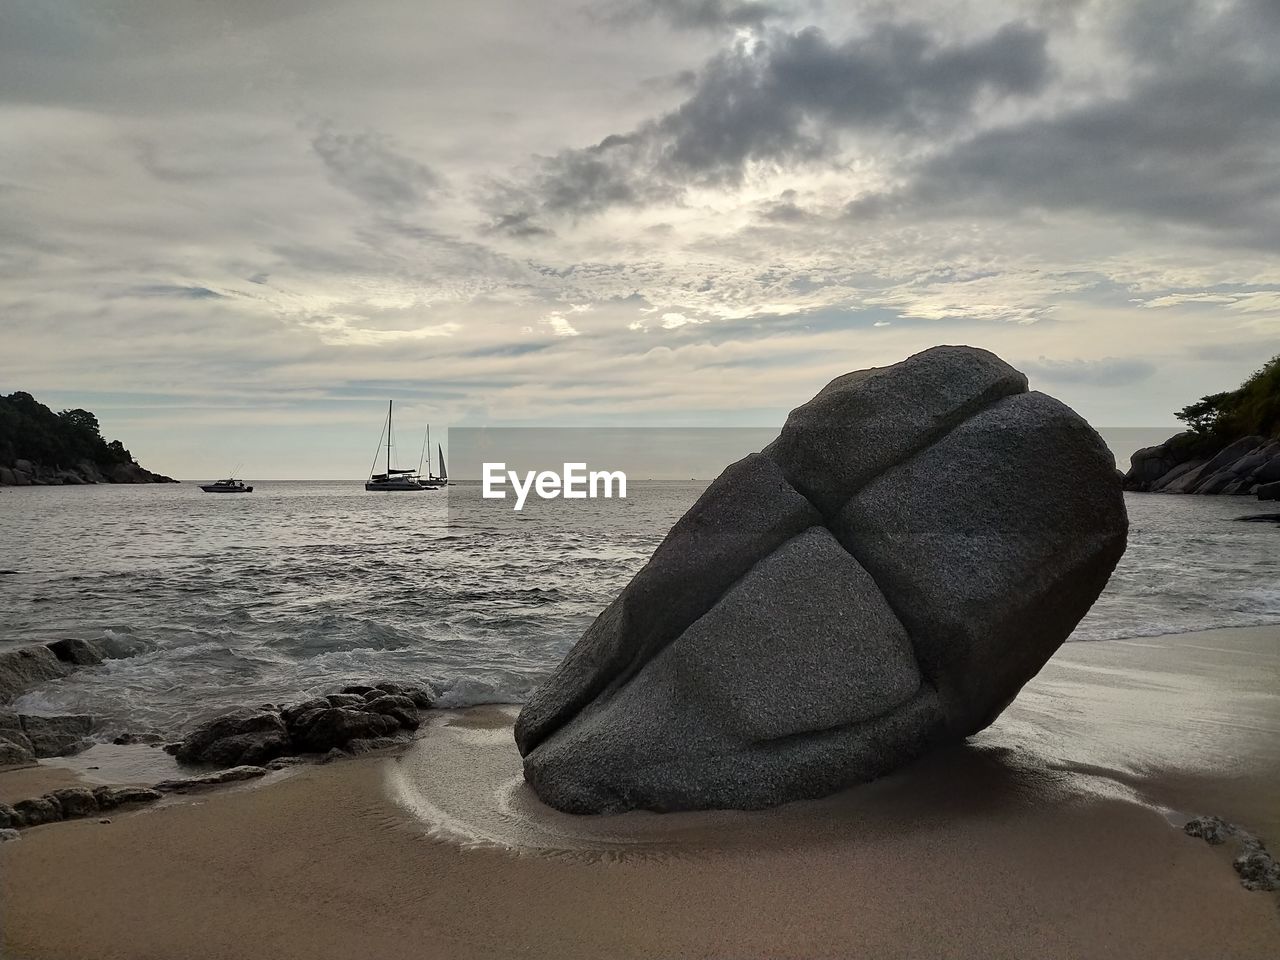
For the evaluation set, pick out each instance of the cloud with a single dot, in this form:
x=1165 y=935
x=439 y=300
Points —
x=313 y=209
x=691 y=14
x=1104 y=372
x=673 y=321
x=369 y=167
x=517 y=225
x=560 y=324
x=173 y=290
x=1190 y=140
x=785 y=99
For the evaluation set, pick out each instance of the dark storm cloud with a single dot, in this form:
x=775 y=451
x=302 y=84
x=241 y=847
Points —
x=1193 y=140
x=691 y=14
x=785 y=99
x=1106 y=372
x=368 y=166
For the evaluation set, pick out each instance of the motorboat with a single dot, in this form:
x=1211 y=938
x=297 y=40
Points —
x=230 y=485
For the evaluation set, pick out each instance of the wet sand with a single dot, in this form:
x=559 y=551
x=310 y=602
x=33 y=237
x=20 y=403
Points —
x=1054 y=834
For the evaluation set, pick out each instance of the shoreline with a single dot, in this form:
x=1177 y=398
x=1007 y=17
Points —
x=1054 y=833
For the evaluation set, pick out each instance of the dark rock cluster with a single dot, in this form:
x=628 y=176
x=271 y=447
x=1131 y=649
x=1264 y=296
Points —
x=882 y=578
x=354 y=720
x=70 y=803
x=1248 y=467
x=25 y=738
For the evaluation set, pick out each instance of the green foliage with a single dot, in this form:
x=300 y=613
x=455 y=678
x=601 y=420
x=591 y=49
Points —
x=1253 y=409
x=31 y=431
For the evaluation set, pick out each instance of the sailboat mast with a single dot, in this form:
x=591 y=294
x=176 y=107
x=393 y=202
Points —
x=429 y=471
x=389 y=402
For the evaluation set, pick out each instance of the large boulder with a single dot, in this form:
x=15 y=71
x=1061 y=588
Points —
x=1216 y=472
x=319 y=731
x=25 y=667
x=58 y=736
x=882 y=578
x=14 y=753
x=88 y=653
x=1152 y=467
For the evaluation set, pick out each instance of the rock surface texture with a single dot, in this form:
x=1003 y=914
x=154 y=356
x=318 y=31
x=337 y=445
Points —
x=882 y=578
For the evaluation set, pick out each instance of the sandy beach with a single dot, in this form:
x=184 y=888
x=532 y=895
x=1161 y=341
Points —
x=1055 y=833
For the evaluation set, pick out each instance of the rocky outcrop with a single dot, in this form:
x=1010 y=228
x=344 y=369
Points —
x=1246 y=466
x=70 y=803
x=57 y=736
x=882 y=578
x=24 y=473
x=90 y=653
x=15 y=747
x=349 y=721
x=24 y=667
x=1269 y=491
x=41 y=448
x=229 y=775
x=239 y=737
x=25 y=738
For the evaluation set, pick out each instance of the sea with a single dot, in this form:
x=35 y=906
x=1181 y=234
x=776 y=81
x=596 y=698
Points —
x=304 y=585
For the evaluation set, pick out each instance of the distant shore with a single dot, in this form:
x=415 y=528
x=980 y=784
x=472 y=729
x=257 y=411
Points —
x=1053 y=834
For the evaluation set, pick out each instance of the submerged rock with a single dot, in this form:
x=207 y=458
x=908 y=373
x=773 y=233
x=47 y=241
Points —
x=230 y=775
x=882 y=578
x=89 y=653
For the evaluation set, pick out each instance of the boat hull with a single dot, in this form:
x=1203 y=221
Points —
x=215 y=489
x=395 y=487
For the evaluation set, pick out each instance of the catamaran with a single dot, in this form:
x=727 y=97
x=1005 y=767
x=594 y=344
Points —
x=393 y=480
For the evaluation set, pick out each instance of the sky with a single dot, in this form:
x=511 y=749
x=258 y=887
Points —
x=234 y=230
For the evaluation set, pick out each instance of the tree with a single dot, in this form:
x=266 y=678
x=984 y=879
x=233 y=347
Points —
x=1202 y=415
x=82 y=420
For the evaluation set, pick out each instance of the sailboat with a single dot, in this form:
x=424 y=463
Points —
x=393 y=479
x=434 y=482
